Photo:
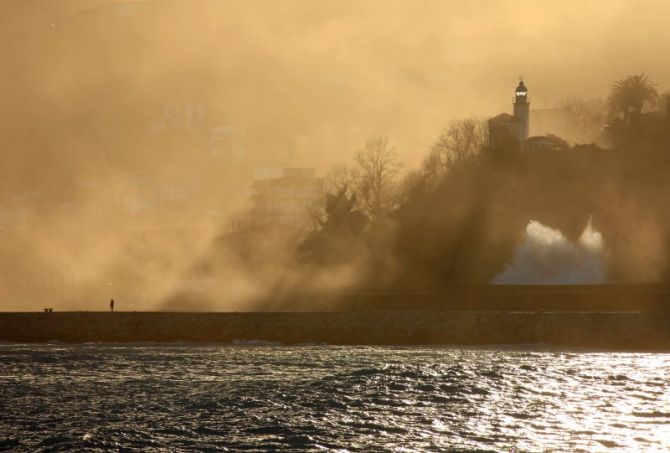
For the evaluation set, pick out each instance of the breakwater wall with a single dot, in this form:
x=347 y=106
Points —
x=611 y=331
x=587 y=298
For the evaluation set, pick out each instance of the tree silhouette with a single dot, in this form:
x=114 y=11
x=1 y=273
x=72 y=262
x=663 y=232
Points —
x=459 y=143
x=335 y=240
x=631 y=95
x=375 y=176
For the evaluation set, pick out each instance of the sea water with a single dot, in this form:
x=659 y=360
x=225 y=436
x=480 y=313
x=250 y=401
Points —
x=182 y=397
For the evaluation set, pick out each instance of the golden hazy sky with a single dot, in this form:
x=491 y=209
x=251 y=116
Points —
x=316 y=73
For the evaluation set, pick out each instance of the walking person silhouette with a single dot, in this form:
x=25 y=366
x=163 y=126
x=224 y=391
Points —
x=111 y=305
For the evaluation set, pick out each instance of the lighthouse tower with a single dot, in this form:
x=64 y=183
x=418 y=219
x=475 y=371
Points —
x=522 y=109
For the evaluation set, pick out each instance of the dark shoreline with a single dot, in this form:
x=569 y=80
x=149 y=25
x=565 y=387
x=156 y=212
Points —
x=624 y=331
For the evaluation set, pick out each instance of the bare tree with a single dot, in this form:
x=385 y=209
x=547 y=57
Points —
x=375 y=177
x=458 y=143
x=339 y=177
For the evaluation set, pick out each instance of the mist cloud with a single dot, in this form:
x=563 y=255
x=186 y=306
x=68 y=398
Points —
x=87 y=170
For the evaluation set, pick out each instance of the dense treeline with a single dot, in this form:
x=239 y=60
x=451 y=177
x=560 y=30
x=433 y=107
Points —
x=458 y=218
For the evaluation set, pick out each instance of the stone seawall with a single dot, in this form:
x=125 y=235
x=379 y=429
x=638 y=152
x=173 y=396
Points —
x=615 y=331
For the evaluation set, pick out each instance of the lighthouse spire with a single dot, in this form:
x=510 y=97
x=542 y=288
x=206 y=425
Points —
x=522 y=109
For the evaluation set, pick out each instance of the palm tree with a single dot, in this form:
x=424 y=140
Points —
x=632 y=94
x=665 y=101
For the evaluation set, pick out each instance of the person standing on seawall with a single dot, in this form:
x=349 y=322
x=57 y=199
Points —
x=111 y=305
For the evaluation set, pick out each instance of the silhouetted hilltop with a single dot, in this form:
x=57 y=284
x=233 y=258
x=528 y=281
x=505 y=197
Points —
x=460 y=223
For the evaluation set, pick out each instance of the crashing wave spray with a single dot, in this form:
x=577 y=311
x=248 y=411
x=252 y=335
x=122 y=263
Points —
x=546 y=257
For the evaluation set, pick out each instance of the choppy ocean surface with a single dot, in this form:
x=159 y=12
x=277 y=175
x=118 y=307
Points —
x=264 y=397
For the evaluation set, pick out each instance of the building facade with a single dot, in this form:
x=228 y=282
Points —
x=286 y=198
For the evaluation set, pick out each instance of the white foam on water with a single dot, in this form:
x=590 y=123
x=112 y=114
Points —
x=547 y=257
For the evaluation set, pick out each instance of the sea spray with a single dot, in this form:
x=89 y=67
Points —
x=547 y=257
